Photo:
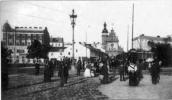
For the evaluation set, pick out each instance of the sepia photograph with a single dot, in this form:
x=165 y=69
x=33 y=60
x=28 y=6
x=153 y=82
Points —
x=86 y=50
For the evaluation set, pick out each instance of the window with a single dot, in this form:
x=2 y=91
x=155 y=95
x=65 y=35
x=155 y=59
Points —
x=28 y=36
x=60 y=53
x=10 y=41
x=68 y=53
x=52 y=54
x=20 y=51
x=17 y=36
x=34 y=36
x=4 y=36
x=23 y=42
x=39 y=36
x=23 y=36
x=76 y=50
x=17 y=42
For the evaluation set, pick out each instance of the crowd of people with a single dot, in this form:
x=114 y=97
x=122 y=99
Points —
x=128 y=68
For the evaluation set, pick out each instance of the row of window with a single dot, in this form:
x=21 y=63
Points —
x=69 y=52
x=20 y=42
x=24 y=60
x=53 y=53
x=56 y=45
x=23 y=36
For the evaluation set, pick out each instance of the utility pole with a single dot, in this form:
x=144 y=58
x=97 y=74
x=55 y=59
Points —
x=15 y=44
x=86 y=44
x=132 y=24
x=127 y=37
x=73 y=18
x=86 y=40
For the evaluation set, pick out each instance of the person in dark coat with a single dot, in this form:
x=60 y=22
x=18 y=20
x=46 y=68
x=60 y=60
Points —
x=104 y=72
x=121 y=71
x=64 y=72
x=37 y=67
x=79 y=65
x=60 y=68
x=51 y=68
x=155 y=71
x=47 y=74
x=132 y=69
x=139 y=71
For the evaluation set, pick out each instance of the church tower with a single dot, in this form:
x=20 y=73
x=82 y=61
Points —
x=104 y=36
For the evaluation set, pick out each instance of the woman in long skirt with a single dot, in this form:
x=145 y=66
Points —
x=87 y=72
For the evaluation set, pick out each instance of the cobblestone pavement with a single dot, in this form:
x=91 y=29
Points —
x=77 y=88
x=145 y=90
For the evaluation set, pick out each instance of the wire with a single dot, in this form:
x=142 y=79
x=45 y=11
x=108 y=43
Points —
x=85 y=20
x=42 y=18
x=54 y=10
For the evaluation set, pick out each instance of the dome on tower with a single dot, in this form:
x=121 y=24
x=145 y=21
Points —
x=105 y=29
x=7 y=27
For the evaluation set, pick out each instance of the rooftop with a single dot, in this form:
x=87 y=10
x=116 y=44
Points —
x=158 y=38
x=56 y=39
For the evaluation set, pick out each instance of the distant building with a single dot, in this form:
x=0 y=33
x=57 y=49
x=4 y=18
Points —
x=83 y=50
x=19 y=38
x=141 y=42
x=57 y=50
x=110 y=42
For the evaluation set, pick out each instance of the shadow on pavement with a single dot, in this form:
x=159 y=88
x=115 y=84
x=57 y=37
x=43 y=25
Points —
x=27 y=85
x=68 y=84
x=113 y=79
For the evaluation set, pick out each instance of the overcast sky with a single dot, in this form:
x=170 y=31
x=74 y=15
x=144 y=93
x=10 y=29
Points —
x=151 y=18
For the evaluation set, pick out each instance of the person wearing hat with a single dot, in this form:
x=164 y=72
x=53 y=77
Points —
x=121 y=71
x=132 y=68
x=155 y=71
x=37 y=67
x=79 y=65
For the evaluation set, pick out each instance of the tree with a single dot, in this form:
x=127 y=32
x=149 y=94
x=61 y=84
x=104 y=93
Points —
x=5 y=59
x=162 y=51
x=38 y=50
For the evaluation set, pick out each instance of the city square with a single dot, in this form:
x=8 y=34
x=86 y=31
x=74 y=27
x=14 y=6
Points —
x=86 y=50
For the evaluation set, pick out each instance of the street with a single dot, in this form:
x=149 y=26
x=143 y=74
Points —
x=145 y=90
x=26 y=87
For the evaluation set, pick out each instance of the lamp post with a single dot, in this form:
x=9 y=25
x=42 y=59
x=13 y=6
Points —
x=132 y=25
x=73 y=17
x=86 y=40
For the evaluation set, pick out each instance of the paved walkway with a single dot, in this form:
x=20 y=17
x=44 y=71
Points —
x=145 y=90
x=31 y=87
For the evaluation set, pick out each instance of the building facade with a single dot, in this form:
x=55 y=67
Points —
x=110 y=42
x=83 y=50
x=57 y=50
x=19 y=38
x=141 y=42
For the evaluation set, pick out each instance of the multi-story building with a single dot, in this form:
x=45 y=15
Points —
x=141 y=43
x=57 y=51
x=110 y=42
x=19 y=38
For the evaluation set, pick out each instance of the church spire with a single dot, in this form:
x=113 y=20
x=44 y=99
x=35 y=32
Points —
x=105 y=29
